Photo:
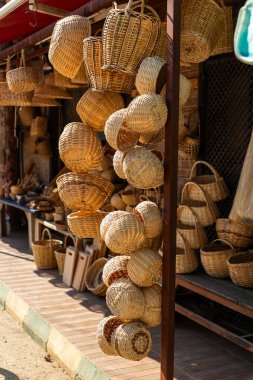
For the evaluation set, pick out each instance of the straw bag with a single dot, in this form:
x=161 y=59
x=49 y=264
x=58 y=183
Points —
x=43 y=251
x=146 y=114
x=118 y=164
x=86 y=224
x=80 y=148
x=83 y=191
x=25 y=116
x=150 y=215
x=104 y=80
x=60 y=254
x=66 y=46
x=240 y=268
x=186 y=260
x=94 y=280
x=95 y=107
x=202 y=23
x=104 y=333
x=161 y=45
x=214 y=258
x=118 y=136
x=238 y=234
x=213 y=184
x=125 y=300
x=39 y=127
x=115 y=269
x=190 y=228
x=153 y=305
x=143 y=169
x=204 y=208
x=144 y=267
x=123 y=49
x=185 y=87
x=151 y=76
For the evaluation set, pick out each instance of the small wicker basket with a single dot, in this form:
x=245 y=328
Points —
x=153 y=305
x=240 y=268
x=94 y=280
x=214 y=258
x=151 y=76
x=115 y=269
x=43 y=251
x=238 y=234
x=86 y=224
x=186 y=260
x=150 y=215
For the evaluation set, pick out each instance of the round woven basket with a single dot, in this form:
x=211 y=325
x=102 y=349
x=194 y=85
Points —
x=154 y=243
x=130 y=195
x=214 y=258
x=125 y=300
x=39 y=127
x=146 y=114
x=81 y=77
x=153 y=305
x=238 y=234
x=118 y=164
x=43 y=251
x=161 y=45
x=80 y=148
x=151 y=76
x=150 y=215
x=144 y=267
x=95 y=107
x=240 y=268
x=153 y=138
x=94 y=280
x=115 y=269
x=117 y=202
x=104 y=333
x=25 y=116
x=85 y=224
x=185 y=87
x=83 y=191
x=186 y=260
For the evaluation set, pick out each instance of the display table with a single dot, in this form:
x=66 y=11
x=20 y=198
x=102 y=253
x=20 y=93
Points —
x=39 y=223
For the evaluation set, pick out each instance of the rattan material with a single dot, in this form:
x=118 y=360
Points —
x=25 y=116
x=214 y=258
x=202 y=23
x=39 y=126
x=186 y=260
x=189 y=148
x=43 y=251
x=60 y=80
x=83 y=191
x=225 y=43
x=42 y=102
x=146 y=114
x=81 y=77
x=8 y=98
x=154 y=243
x=80 y=147
x=143 y=169
x=94 y=280
x=153 y=138
x=125 y=300
x=118 y=164
x=190 y=228
x=151 y=76
x=85 y=224
x=144 y=267
x=184 y=90
x=95 y=107
x=104 y=333
x=60 y=254
x=115 y=269
x=150 y=215
x=129 y=37
x=130 y=195
x=48 y=91
x=117 y=202
x=153 y=305
x=161 y=45
x=240 y=268
x=238 y=234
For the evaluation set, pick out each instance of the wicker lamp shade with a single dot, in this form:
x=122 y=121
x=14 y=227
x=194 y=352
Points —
x=93 y=279
x=85 y=224
x=118 y=164
x=104 y=333
x=153 y=305
x=48 y=91
x=214 y=258
x=150 y=215
x=151 y=76
x=115 y=269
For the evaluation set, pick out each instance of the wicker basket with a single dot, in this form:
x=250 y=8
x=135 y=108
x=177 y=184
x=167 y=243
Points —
x=25 y=116
x=117 y=202
x=115 y=269
x=240 y=268
x=104 y=333
x=81 y=77
x=85 y=224
x=60 y=80
x=225 y=43
x=43 y=102
x=153 y=306
x=161 y=45
x=94 y=280
x=80 y=148
x=43 y=251
x=130 y=196
x=83 y=191
x=118 y=164
x=190 y=228
x=213 y=184
x=123 y=49
x=48 y=91
x=8 y=98
x=144 y=267
x=189 y=148
x=95 y=107
x=151 y=76
x=214 y=258
x=202 y=23
x=238 y=234
x=39 y=127
x=153 y=138
x=185 y=87
x=186 y=260
x=150 y=215
x=60 y=254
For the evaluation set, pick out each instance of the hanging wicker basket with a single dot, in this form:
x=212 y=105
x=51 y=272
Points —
x=43 y=251
x=151 y=76
x=214 y=258
x=8 y=98
x=94 y=280
x=81 y=77
x=186 y=260
x=60 y=80
x=153 y=306
x=115 y=269
x=117 y=202
x=104 y=333
x=240 y=268
x=161 y=45
x=150 y=215
x=118 y=164
x=238 y=234
x=130 y=195
x=85 y=224
x=39 y=127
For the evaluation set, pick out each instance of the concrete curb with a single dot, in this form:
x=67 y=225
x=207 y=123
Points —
x=4 y=290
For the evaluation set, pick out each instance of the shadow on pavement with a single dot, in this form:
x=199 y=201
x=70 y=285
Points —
x=7 y=375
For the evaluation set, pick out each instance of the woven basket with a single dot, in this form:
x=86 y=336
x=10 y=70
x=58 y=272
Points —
x=143 y=169
x=161 y=45
x=150 y=215
x=8 y=98
x=214 y=258
x=85 y=224
x=153 y=138
x=190 y=228
x=80 y=148
x=81 y=77
x=144 y=267
x=146 y=114
x=129 y=37
x=60 y=80
x=186 y=260
x=25 y=116
x=153 y=306
x=115 y=269
x=43 y=251
x=42 y=102
x=202 y=23
x=189 y=148
x=238 y=234
x=104 y=333
x=225 y=43
x=39 y=127
x=95 y=107
x=151 y=76
x=66 y=46
x=118 y=136
x=118 y=164
x=48 y=91
x=130 y=196
x=204 y=208
x=185 y=87
x=60 y=254
x=117 y=202
x=125 y=300
x=93 y=278
x=240 y=268
x=83 y=191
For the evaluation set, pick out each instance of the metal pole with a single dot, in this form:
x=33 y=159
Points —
x=170 y=190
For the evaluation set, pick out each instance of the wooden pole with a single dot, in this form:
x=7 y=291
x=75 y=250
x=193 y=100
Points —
x=170 y=190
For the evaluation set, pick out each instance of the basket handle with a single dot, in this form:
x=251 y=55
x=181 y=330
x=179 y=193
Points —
x=181 y=207
x=66 y=237
x=185 y=188
x=183 y=240
x=46 y=231
x=223 y=241
x=22 y=59
x=96 y=34
x=194 y=169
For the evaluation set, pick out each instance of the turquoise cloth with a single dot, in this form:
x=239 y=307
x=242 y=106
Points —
x=243 y=38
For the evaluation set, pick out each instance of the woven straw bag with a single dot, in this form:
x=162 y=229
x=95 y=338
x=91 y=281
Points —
x=43 y=251
x=95 y=107
x=80 y=147
x=104 y=333
x=150 y=215
x=202 y=23
x=213 y=184
x=186 y=260
x=146 y=114
x=93 y=278
x=118 y=164
x=83 y=191
x=190 y=228
x=204 y=208
x=124 y=50
x=185 y=87
x=125 y=300
x=214 y=258
x=86 y=224
x=240 y=268
x=39 y=127
x=117 y=202
x=60 y=254
x=25 y=116
x=48 y=91
x=151 y=76
x=238 y=234
x=66 y=46
x=144 y=267
x=161 y=45
x=115 y=269
x=153 y=306
x=153 y=138
x=143 y=169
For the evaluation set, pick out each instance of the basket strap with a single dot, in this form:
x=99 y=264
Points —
x=197 y=163
x=46 y=231
x=223 y=241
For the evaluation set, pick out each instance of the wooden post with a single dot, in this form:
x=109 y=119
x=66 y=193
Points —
x=170 y=190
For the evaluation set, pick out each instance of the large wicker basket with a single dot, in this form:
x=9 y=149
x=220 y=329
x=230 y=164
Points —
x=43 y=251
x=86 y=224
x=238 y=234
x=214 y=258
x=115 y=269
x=94 y=280
x=240 y=268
